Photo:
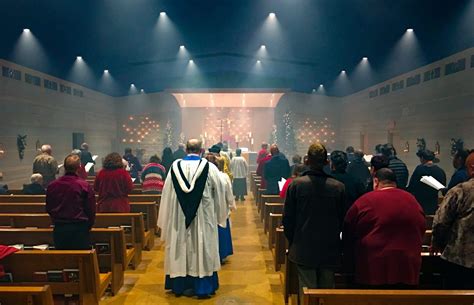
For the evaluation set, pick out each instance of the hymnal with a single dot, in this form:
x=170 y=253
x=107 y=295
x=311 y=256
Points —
x=71 y=275
x=281 y=183
x=18 y=246
x=41 y=247
x=40 y=276
x=56 y=276
x=432 y=182
x=88 y=166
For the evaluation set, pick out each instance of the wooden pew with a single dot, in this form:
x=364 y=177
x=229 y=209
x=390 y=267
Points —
x=267 y=198
x=135 y=238
x=90 y=287
x=42 y=198
x=258 y=197
x=274 y=221
x=387 y=297
x=270 y=208
x=115 y=261
x=281 y=244
x=36 y=295
x=427 y=238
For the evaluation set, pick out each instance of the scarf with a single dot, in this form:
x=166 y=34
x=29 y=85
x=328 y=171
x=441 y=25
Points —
x=189 y=193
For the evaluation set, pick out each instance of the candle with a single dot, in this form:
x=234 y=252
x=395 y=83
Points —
x=251 y=141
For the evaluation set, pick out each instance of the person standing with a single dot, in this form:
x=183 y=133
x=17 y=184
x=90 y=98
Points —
x=133 y=164
x=70 y=202
x=180 y=153
x=312 y=220
x=167 y=158
x=192 y=206
x=86 y=157
x=459 y=163
x=46 y=165
x=113 y=184
x=153 y=176
x=424 y=194
x=396 y=165
x=262 y=153
x=453 y=232
x=383 y=234
x=240 y=171
x=359 y=169
x=276 y=168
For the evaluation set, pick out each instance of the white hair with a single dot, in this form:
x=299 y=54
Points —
x=36 y=178
x=46 y=148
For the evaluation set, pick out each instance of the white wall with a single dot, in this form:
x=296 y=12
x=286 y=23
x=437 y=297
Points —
x=50 y=117
x=437 y=111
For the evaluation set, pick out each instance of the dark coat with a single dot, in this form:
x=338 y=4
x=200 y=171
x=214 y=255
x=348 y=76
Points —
x=354 y=188
x=313 y=216
x=360 y=171
x=33 y=189
x=179 y=154
x=424 y=194
x=278 y=167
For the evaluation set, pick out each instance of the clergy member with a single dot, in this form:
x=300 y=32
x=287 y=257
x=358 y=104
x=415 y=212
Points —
x=192 y=206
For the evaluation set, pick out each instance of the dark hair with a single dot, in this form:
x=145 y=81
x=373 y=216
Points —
x=264 y=145
x=462 y=154
x=211 y=158
x=238 y=151
x=155 y=159
x=386 y=175
x=298 y=169
x=167 y=152
x=426 y=154
x=317 y=156
x=378 y=162
x=378 y=148
x=296 y=159
x=112 y=161
x=128 y=150
x=359 y=154
x=388 y=150
x=72 y=163
x=349 y=149
x=339 y=161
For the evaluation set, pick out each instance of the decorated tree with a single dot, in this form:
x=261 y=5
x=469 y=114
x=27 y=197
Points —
x=169 y=134
x=289 y=133
x=274 y=135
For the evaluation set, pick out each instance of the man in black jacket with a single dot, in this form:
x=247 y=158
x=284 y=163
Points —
x=313 y=217
x=278 y=167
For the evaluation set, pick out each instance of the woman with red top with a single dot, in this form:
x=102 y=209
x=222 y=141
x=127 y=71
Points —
x=113 y=184
x=298 y=170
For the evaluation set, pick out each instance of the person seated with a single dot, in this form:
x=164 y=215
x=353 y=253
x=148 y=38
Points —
x=70 y=202
x=354 y=187
x=424 y=194
x=4 y=189
x=382 y=235
x=298 y=170
x=113 y=184
x=453 y=232
x=153 y=176
x=35 y=187
x=359 y=169
x=459 y=163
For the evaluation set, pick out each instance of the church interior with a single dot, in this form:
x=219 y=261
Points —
x=253 y=90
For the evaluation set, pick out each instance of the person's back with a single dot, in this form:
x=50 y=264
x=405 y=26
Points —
x=276 y=168
x=153 y=176
x=401 y=171
x=113 y=184
x=179 y=153
x=424 y=194
x=33 y=189
x=70 y=202
x=47 y=166
x=383 y=233
x=354 y=188
x=239 y=167
x=134 y=165
x=359 y=170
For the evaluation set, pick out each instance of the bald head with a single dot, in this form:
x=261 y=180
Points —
x=274 y=149
x=193 y=146
x=72 y=164
x=46 y=149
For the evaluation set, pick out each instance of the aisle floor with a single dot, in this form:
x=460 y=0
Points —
x=248 y=277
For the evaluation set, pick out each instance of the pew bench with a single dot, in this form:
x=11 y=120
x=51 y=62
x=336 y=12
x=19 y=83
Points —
x=270 y=208
x=263 y=200
x=387 y=297
x=134 y=234
x=114 y=260
x=274 y=221
x=14 y=295
x=90 y=285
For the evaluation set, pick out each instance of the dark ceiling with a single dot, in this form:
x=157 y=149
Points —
x=309 y=43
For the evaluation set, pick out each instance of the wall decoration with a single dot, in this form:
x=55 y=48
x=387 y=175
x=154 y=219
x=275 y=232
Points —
x=420 y=144
x=289 y=133
x=313 y=130
x=273 y=135
x=456 y=145
x=182 y=138
x=21 y=145
x=407 y=147
x=169 y=134
x=437 y=148
x=3 y=151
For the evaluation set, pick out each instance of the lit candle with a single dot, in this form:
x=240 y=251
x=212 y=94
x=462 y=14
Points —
x=251 y=141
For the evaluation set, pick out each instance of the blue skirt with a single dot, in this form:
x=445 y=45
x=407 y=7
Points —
x=225 y=241
x=201 y=286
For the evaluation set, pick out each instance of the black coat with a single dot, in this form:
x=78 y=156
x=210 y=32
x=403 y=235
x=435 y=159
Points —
x=360 y=171
x=276 y=168
x=354 y=188
x=33 y=189
x=312 y=219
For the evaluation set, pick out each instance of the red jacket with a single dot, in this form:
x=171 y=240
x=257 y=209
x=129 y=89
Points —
x=383 y=234
x=113 y=187
x=260 y=168
x=285 y=188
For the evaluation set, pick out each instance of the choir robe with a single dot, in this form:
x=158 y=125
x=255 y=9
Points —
x=225 y=236
x=192 y=253
x=113 y=187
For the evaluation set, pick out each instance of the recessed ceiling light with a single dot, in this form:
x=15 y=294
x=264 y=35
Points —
x=132 y=85
x=343 y=71
x=181 y=47
x=141 y=90
x=258 y=61
x=162 y=14
x=191 y=61
x=106 y=71
x=409 y=30
x=26 y=30
x=79 y=57
x=365 y=58
x=272 y=15
x=263 y=46
x=321 y=85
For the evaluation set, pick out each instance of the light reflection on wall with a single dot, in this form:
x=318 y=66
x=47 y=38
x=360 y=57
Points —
x=141 y=129
x=311 y=130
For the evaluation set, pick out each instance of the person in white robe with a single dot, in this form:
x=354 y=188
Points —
x=240 y=171
x=192 y=206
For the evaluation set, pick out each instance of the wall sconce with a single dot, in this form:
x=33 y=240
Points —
x=407 y=147
x=437 y=148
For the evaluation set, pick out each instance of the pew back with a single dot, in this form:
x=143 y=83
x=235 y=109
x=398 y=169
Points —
x=39 y=295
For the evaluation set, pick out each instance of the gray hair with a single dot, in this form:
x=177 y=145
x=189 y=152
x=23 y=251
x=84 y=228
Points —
x=36 y=178
x=76 y=152
x=46 y=148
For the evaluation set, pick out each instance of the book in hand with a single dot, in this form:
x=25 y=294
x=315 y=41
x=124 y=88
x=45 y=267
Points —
x=88 y=166
x=56 y=276
x=94 y=157
x=432 y=182
x=41 y=247
x=102 y=248
x=71 y=275
x=40 y=276
x=281 y=183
